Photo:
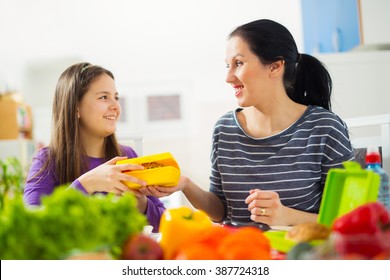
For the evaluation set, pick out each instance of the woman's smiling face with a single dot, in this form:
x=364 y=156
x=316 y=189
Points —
x=99 y=109
x=248 y=76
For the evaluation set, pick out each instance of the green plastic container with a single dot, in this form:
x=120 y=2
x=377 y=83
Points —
x=280 y=243
x=345 y=189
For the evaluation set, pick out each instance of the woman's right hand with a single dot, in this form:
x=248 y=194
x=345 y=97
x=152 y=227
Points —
x=108 y=177
x=160 y=191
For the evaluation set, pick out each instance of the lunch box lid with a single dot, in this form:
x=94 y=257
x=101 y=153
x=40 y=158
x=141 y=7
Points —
x=160 y=169
x=164 y=158
x=345 y=189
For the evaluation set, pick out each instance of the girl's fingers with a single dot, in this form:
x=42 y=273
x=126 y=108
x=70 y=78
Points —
x=116 y=191
x=136 y=192
x=115 y=159
x=129 y=167
x=121 y=188
x=146 y=190
x=128 y=178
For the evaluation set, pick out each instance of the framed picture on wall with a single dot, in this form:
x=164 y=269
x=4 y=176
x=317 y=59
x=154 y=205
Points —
x=155 y=110
x=166 y=109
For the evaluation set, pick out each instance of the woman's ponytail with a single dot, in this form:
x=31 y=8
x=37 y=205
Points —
x=313 y=84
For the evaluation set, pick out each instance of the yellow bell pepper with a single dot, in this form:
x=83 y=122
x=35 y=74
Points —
x=179 y=226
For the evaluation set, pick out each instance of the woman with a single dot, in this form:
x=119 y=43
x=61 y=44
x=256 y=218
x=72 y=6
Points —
x=271 y=156
x=83 y=149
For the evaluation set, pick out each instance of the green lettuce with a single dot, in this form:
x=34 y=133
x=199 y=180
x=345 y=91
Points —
x=67 y=221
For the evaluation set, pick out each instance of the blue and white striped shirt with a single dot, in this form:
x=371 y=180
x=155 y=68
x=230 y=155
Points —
x=294 y=163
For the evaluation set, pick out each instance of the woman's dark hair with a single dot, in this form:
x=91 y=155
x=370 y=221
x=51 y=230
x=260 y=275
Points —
x=65 y=148
x=306 y=79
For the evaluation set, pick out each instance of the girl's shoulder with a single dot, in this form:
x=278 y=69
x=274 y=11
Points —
x=42 y=154
x=128 y=151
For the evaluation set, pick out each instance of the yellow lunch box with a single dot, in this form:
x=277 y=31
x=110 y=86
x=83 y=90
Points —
x=160 y=169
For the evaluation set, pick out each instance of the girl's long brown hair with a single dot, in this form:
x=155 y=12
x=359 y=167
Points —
x=65 y=148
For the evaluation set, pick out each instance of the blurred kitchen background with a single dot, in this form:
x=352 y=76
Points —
x=168 y=60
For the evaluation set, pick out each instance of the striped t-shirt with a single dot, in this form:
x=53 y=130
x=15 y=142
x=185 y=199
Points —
x=294 y=163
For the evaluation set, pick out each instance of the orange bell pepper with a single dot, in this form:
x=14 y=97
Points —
x=179 y=226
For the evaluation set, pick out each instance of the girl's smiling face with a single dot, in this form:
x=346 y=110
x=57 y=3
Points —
x=99 y=109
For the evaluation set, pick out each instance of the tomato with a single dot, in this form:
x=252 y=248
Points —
x=246 y=243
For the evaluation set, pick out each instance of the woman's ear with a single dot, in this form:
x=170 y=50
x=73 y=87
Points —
x=78 y=113
x=276 y=67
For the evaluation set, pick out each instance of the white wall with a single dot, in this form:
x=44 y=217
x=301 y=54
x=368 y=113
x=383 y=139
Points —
x=360 y=81
x=151 y=46
x=375 y=21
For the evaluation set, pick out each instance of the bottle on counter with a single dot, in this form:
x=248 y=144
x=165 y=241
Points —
x=374 y=163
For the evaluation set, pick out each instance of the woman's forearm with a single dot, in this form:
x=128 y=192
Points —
x=293 y=217
x=204 y=200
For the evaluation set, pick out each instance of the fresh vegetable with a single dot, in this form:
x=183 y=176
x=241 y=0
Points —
x=225 y=243
x=367 y=218
x=197 y=251
x=179 y=226
x=364 y=231
x=204 y=246
x=141 y=247
x=300 y=251
x=245 y=243
x=67 y=221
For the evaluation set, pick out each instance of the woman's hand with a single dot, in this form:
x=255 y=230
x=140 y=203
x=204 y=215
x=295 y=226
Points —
x=157 y=191
x=108 y=177
x=265 y=207
x=160 y=191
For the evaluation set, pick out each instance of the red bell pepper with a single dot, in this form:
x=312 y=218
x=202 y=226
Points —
x=367 y=218
x=364 y=231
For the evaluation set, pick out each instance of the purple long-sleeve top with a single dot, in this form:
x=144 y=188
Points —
x=45 y=182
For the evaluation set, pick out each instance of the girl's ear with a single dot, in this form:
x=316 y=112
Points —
x=78 y=114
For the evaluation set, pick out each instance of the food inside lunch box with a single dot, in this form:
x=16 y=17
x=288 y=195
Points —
x=312 y=233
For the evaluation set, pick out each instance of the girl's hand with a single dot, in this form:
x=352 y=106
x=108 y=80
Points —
x=108 y=177
x=265 y=207
x=142 y=200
